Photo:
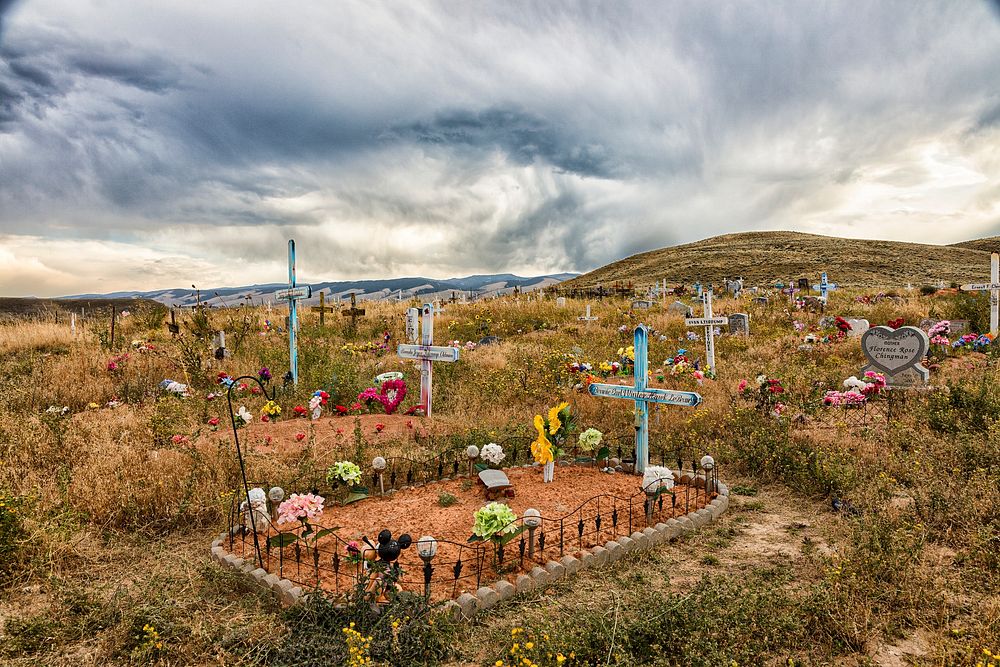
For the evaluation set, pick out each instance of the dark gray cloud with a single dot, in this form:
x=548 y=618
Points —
x=445 y=138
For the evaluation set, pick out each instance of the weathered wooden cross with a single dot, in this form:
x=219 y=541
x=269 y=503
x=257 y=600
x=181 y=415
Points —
x=353 y=312
x=292 y=295
x=643 y=395
x=709 y=323
x=994 y=288
x=427 y=353
x=322 y=308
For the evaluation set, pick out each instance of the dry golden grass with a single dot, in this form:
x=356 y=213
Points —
x=762 y=258
x=119 y=517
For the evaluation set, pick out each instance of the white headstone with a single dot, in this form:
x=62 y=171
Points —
x=561 y=302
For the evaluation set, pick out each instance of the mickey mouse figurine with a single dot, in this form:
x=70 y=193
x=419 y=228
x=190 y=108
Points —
x=387 y=551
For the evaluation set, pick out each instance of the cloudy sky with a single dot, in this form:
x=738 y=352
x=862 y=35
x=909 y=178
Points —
x=149 y=145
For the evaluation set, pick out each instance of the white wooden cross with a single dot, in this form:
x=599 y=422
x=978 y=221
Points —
x=824 y=286
x=643 y=395
x=994 y=288
x=709 y=323
x=292 y=295
x=427 y=353
x=587 y=318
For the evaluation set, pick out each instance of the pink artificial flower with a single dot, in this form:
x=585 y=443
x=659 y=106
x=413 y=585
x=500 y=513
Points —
x=741 y=386
x=214 y=421
x=300 y=507
x=179 y=439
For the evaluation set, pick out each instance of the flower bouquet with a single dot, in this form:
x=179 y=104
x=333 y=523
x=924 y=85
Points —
x=345 y=478
x=553 y=431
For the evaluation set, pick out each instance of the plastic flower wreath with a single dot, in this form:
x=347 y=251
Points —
x=271 y=410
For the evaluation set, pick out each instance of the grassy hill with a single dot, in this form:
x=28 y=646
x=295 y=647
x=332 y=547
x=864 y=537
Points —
x=989 y=244
x=765 y=257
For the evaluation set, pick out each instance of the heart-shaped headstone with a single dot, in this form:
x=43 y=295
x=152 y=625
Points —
x=892 y=351
x=858 y=327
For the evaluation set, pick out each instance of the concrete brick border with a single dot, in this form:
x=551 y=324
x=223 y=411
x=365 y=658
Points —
x=468 y=605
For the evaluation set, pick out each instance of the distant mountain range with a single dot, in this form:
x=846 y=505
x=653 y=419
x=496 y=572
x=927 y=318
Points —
x=428 y=289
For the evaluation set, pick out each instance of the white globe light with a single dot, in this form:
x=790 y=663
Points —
x=707 y=462
x=378 y=463
x=427 y=547
x=276 y=494
x=532 y=518
x=472 y=451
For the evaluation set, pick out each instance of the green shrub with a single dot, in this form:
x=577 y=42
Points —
x=11 y=533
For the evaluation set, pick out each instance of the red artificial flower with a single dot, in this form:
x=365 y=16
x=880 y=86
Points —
x=299 y=411
x=896 y=323
x=409 y=423
x=341 y=409
x=254 y=390
x=267 y=438
x=265 y=418
x=356 y=406
x=379 y=428
x=179 y=439
x=300 y=436
x=220 y=377
x=214 y=421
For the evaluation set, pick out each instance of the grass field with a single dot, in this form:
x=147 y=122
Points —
x=106 y=517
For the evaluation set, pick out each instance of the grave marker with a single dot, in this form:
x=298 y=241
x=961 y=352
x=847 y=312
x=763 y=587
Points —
x=680 y=308
x=897 y=353
x=561 y=302
x=353 y=312
x=642 y=304
x=322 y=308
x=709 y=322
x=642 y=395
x=587 y=318
x=858 y=327
x=427 y=353
x=413 y=325
x=292 y=295
x=994 y=288
x=739 y=324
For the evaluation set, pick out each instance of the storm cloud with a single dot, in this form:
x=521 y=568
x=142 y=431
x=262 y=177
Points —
x=151 y=144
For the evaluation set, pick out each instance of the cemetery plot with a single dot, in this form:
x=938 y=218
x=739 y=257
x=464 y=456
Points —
x=584 y=508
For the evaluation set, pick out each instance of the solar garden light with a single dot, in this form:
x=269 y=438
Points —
x=473 y=453
x=708 y=464
x=532 y=519
x=378 y=465
x=275 y=495
x=427 y=548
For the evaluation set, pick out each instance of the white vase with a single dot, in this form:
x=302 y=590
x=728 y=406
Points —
x=548 y=471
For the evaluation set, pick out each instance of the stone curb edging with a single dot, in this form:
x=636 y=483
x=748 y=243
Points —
x=467 y=605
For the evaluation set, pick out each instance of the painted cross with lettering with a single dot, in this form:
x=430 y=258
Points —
x=292 y=295
x=643 y=395
x=994 y=288
x=427 y=353
x=709 y=322
x=587 y=318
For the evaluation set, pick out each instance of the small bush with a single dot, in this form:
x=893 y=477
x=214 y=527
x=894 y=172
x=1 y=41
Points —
x=11 y=533
x=446 y=499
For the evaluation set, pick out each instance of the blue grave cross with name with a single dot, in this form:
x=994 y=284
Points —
x=643 y=395
x=292 y=295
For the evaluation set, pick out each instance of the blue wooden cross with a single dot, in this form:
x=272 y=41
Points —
x=642 y=395
x=293 y=294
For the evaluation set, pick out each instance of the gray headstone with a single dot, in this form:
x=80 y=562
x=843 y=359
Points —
x=858 y=327
x=641 y=304
x=680 y=308
x=896 y=353
x=488 y=340
x=959 y=326
x=761 y=300
x=494 y=479
x=739 y=324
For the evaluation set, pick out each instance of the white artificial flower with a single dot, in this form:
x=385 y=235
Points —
x=493 y=453
x=244 y=414
x=657 y=477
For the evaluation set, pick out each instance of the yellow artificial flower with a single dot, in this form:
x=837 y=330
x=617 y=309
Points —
x=554 y=423
x=541 y=448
